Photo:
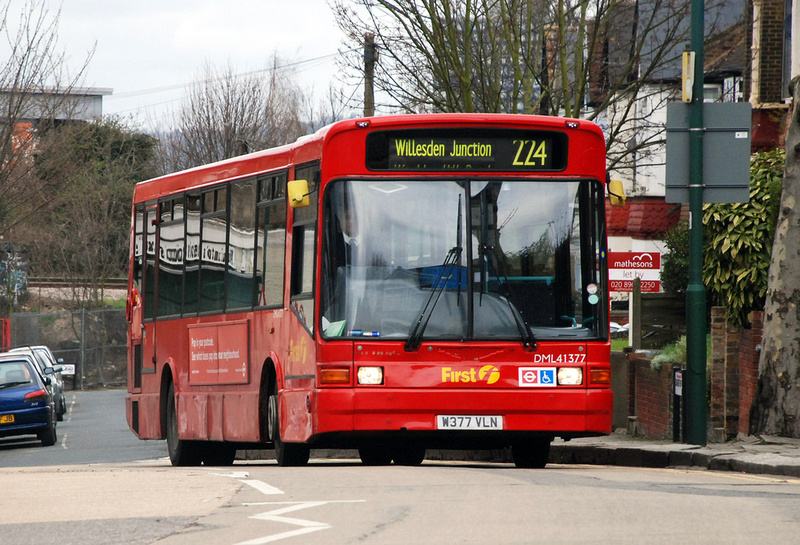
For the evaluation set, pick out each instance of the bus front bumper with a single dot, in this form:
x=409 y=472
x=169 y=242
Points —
x=556 y=412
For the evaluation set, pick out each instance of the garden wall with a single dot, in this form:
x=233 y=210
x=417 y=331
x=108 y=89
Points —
x=731 y=373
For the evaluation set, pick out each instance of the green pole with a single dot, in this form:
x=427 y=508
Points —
x=696 y=404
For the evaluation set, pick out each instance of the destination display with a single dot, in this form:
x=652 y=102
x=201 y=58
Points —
x=467 y=149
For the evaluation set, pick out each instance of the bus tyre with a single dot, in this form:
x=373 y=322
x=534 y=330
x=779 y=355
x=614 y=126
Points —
x=374 y=456
x=409 y=455
x=218 y=453
x=531 y=454
x=287 y=454
x=181 y=452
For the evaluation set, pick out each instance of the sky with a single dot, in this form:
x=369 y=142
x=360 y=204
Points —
x=147 y=51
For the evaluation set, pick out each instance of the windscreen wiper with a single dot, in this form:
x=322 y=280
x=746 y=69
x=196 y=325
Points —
x=13 y=384
x=528 y=340
x=451 y=261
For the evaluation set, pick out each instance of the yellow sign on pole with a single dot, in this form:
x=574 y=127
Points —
x=687 y=76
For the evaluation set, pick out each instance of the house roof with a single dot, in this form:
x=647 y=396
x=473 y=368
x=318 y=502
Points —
x=726 y=52
x=644 y=218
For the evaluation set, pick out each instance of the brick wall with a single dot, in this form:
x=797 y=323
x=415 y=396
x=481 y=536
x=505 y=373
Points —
x=723 y=374
x=748 y=368
x=771 y=57
x=732 y=371
x=653 y=398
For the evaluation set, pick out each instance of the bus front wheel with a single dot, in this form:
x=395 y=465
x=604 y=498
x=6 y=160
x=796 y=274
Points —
x=531 y=454
x=374 y=455
x=181 y=451
x=409 y=455
x=287 y=454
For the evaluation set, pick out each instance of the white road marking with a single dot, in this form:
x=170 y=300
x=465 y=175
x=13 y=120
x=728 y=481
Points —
x=262 y=487
x=306 y=526
x=235 y=474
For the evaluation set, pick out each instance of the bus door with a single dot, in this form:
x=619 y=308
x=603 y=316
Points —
x=134 y=304
x=299 y=369
x=148 y=291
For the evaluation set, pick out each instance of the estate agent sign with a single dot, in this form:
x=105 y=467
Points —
x=624 y=267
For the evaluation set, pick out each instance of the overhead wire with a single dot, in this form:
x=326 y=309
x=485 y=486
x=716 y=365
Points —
x=300 y=66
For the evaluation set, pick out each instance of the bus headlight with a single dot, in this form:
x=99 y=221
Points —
x=570 y=376
x=370 y=375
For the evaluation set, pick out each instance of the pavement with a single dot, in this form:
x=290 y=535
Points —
x=765 y=455
x=768 y=455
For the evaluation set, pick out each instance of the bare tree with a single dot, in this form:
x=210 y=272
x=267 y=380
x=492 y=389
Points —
x=605 y=60
x=35 y=90
x=85 y=234
x=227 y=114
x=331 y=108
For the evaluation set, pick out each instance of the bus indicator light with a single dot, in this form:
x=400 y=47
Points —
x=334 y=375
x=600 y=377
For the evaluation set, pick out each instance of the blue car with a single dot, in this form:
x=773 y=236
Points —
x=26 y=402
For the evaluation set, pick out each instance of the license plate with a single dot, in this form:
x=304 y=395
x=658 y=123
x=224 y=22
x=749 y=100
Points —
x=6 y=419
x=469 y=422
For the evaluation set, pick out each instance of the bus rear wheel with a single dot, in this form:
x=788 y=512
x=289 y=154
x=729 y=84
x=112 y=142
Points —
x=531 y=454
x=287 y=454
x=181 y=451
x=218 y=453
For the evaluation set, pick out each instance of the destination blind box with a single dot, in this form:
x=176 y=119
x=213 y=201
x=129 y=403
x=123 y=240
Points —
x=467 y=149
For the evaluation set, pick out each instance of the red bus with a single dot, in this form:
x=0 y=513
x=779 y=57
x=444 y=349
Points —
x=389 y=284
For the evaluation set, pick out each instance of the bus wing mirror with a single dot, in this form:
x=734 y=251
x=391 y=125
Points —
x=298 y=193
x=616 y=193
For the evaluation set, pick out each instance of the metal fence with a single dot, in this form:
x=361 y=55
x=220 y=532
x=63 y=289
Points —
x=92 y=340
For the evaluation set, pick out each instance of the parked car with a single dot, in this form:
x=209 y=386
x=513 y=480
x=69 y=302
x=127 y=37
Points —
x=26 y=403
x=43 y=358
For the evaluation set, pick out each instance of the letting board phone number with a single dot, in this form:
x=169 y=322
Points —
x=648 y=286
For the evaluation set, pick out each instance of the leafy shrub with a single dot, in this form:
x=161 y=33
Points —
x=738 y=241
x=674 y=353
x=675 y=263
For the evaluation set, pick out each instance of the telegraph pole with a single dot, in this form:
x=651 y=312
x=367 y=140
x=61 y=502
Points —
x=370 y=56
x=696 y=330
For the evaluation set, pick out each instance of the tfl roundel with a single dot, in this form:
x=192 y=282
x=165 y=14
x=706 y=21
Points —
x=537 y=377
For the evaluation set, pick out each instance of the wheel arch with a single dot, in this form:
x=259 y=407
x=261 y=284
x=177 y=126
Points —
x=167 y=378
x=269 y=377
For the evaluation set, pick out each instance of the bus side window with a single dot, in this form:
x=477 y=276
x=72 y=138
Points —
x=149 y=295
x=192 y=251
x=241 y=247
x=213 y=249
x=138 y=248
x=170 y=257
x=304 y=230
x=271 y=240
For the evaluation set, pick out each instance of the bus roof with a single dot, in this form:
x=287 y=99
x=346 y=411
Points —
x=309 y=147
